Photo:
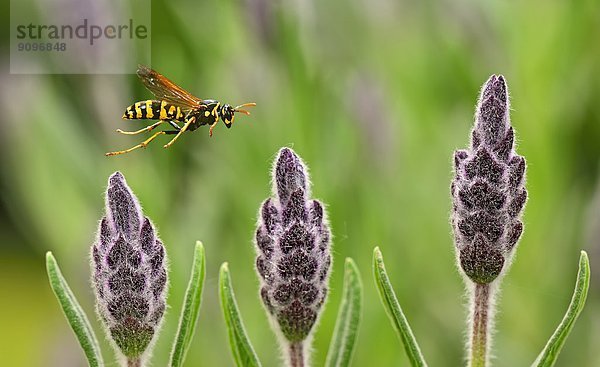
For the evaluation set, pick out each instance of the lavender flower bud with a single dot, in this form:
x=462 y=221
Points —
x=292 y=242
x=488 y=191
x=129 y=275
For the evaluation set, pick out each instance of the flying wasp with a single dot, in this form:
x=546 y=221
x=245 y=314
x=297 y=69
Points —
x=175 y=107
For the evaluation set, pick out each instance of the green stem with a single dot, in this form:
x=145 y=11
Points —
x=480 y=325
x=296 y=354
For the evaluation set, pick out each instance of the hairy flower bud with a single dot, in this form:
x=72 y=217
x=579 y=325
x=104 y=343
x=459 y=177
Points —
x=129 y=275
x=488 y=191
x=292 y=242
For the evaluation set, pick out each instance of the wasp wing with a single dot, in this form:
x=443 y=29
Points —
x=166 y=90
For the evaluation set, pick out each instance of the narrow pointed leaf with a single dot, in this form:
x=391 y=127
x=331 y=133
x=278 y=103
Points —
x=548 y=356
x=190 y=308
x=242 y=350
x=394 y=311
x=348 y=320
x=74 y=313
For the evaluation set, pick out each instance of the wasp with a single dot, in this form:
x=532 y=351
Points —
x=176 y=107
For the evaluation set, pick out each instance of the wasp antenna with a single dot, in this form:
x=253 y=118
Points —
x=251 y=104
x=238 y=108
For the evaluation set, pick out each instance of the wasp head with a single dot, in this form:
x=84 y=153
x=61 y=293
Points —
x=228 y=112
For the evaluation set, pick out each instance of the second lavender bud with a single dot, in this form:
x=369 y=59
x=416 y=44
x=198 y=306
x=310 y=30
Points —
x=488 y=190
x=292 y=241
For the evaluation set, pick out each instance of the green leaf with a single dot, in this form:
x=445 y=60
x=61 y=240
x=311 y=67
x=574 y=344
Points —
x=550 y=353
x=242 y=350
x=394 y=311
x=190 y=308
x=348 y=320
x=74 y=313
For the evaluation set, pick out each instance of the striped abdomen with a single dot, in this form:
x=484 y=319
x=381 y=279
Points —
x=154 y=110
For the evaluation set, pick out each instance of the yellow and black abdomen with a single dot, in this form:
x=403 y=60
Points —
x=154 y=110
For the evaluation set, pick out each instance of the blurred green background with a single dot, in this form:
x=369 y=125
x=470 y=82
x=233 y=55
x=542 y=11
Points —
x=374 y=95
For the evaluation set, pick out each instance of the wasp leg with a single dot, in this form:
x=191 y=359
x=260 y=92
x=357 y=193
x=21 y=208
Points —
x=174 y=124
x=147 y=128
x=140 y=145
x=187 y=124
x=212 y=127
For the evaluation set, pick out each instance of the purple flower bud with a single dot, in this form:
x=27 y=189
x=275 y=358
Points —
x=292 y=242
x=487 y=191
x=128 y=271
